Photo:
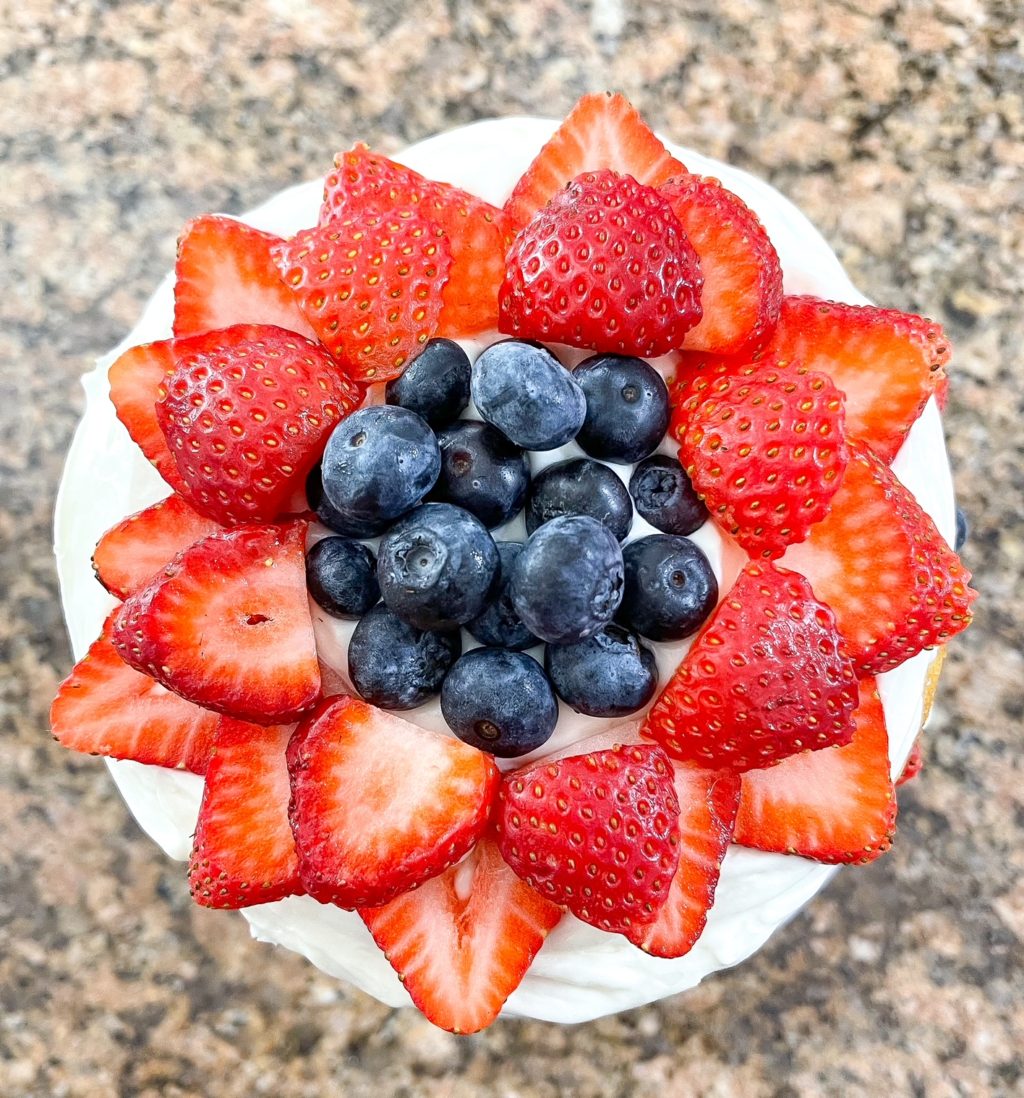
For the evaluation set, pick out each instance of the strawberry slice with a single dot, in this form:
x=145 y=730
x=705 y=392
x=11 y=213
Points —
x=226 y=625
x=708 y=800
x=365 y=181
x=132 y=552
x=914 y=764
x=380 y=805
x=225 y=275
x=742 y=292
x=243 y=852
x=370 y=286
x=832 y=806
x=601 y=131
x=463 y=941
x=104 y=707
x=767 y=677
x=888 y=363
x=893 y=583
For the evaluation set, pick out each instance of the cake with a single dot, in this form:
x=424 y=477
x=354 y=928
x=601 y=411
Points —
x=789 y=338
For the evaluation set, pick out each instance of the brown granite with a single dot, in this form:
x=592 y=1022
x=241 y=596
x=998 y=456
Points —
x=899 y=127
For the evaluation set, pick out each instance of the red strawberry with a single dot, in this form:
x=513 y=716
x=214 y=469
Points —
x=370 y=285
x=604 y=265
x=914 y=764
x=601 y=131
x=707 y=812
x=595 y=833
x=225 y=275
x=248 y=418
x=365 y=181
x=104 y=707
x=888 y=363
x=462 y=942
x=742 y=291
x=226 y=624
x=243 y=852
x=132 y=552
x=894 y=584
x=380 y=805
x=765 y=450
x=833 y=806
x=766 y=677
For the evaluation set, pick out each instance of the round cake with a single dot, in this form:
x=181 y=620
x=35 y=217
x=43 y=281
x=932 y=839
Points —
x=581 y=971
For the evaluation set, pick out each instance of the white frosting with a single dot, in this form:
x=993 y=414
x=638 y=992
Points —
x=580 y=973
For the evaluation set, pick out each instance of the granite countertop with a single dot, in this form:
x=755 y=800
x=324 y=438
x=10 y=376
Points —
x=899 y=128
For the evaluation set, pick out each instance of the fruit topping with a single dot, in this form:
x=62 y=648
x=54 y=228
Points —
x=669 y=589
x=833 y=806
x=226 y=275
x=627 y=408
x=580 y=486
x=500 y=702
x=765 y=449
x=914 y=764
x=498 y=625
x=332 y=518
x=767 y=677
x=226 y=625
x=878 y=561
x=243 y=852
x=605 y=265
x=132 y=552
x=963 y=530
x=610 y=674
x=482 y=471
x=664 y=496
x=247 y=417
x=370 y=287
x=341 y=575
x=435 y=384
x=524 y=391
x=601 y=131
x=596 y=833
x=463 y=941
x=742 y=291
x=105 y=707
x=567 y=581
x=379 y=805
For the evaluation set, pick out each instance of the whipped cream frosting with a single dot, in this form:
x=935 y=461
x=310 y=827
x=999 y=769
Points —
x=580 y=973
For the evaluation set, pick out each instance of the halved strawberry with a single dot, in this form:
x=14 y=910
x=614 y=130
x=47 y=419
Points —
x=226 y=624
x=380 y=805
x=243 y=852
x=742 y=291
x=833 y=806
x=225 y=275
x=766 y=677
x=105 y=707
x=463 y=941
x=132 y=552
x=914 y=764
x=370 y=285
x=878 y=561
x=601 y=131
x=708 y=800
x=365 y=181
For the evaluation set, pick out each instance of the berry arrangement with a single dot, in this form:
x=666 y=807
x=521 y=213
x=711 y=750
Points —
x=509 y=537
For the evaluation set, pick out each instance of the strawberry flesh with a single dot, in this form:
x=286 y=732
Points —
x=914 y=764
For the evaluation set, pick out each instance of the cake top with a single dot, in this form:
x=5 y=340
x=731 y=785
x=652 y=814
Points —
x=779 y=419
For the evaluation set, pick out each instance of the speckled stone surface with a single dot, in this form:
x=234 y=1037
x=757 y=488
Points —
x=899 y=127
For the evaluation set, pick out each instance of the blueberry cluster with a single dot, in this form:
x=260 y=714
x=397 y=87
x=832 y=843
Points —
x=434 y=487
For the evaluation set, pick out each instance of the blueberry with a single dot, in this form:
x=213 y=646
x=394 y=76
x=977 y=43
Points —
x=580 y=486
x=437 y=567
x=435 y=385
x=500 y=702
x=627 y=408
x=342 y=577
x=379 y=463
x=963 y=530
x=607 y=675
x=395 y=665
x=499 y=625
x=482 y=471
x=567 y=581
x=665 y=497
x=524 y=391
x=670 y=588
x=332 y=518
